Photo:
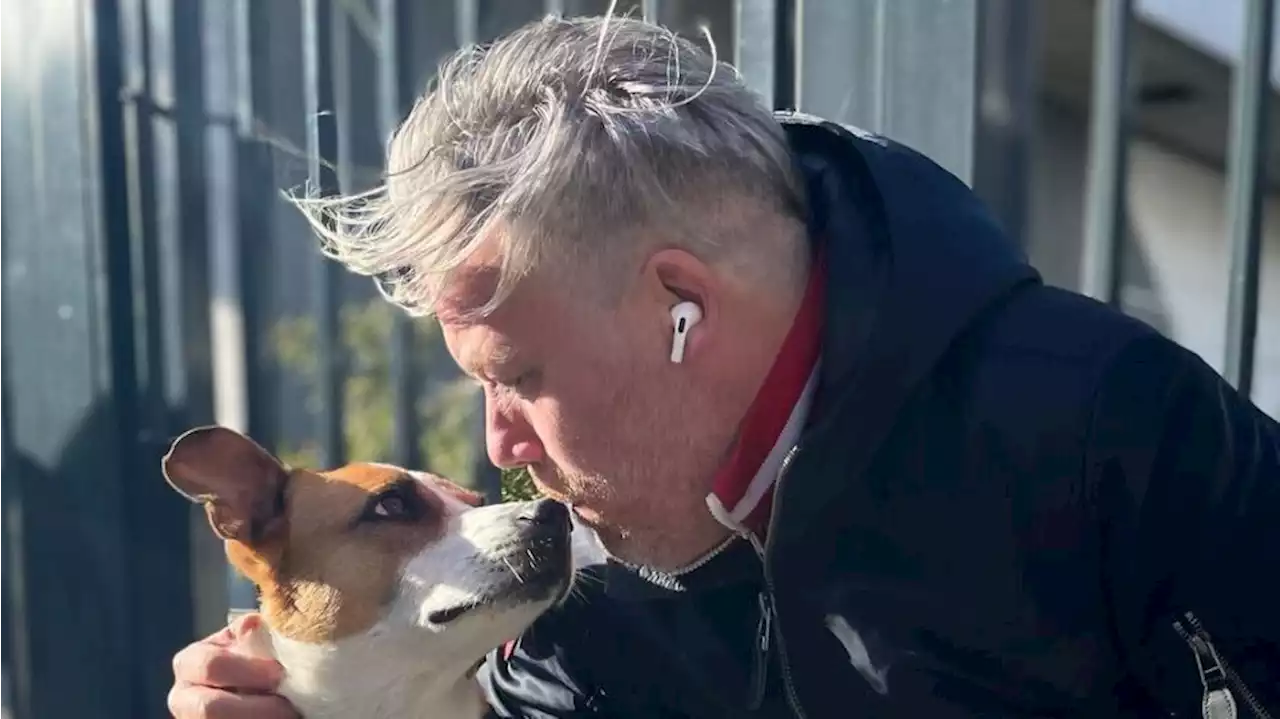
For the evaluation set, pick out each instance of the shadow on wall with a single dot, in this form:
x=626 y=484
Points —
x=98 y=574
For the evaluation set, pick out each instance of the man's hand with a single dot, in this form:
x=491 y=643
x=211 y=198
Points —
x=218 y=678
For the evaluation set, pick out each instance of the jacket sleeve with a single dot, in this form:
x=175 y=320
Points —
x=1184 y=476
x=529 y=680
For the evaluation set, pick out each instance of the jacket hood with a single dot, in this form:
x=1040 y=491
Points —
x=912 y=258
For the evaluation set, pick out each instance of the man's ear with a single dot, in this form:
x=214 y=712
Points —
x=240 y=484
x=674 y=276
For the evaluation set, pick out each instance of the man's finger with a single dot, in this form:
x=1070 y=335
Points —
x=216 y=666
x=187 y=701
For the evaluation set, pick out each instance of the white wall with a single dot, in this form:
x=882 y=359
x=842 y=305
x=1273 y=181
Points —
x=1212 y=26
x=1177 y=263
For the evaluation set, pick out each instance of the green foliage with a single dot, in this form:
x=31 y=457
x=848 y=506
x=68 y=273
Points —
x=446 y=408
x=517 y=485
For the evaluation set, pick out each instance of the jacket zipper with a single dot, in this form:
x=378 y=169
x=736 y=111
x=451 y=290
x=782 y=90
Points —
x=764 y=636
x=1216 y=675
x=769 y=609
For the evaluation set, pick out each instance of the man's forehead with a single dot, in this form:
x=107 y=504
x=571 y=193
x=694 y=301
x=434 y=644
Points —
x=526 y=322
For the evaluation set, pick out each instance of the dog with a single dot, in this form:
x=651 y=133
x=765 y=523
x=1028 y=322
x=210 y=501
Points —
x=381 y=589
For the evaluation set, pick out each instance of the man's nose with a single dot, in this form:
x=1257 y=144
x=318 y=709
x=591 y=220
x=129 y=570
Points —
x=509 y=437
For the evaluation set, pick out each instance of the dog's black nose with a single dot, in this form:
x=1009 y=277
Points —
x=545 y=512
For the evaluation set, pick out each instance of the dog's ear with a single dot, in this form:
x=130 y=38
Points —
x=240 y=484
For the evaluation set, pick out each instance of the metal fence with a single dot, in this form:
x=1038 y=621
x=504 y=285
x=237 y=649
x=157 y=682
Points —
x=155 y=278
x=1111 y=120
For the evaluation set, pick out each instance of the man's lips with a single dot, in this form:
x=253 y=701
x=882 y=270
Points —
x=585 y=515
x=553 y=491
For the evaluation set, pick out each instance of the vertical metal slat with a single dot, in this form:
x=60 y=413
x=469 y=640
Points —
x=340 y=51
x=1105 y=214
x=237 y=197
x=466 y=17
x=191 y=346
x=140 y=173
x=322 y=142
x=1250 y=97
x=404 y=393
x=651 y=10
x=235 y=206
x=765 y=51
x=786 y=53
x=486 y=478
x=9 y=653
x=14 y=636
x=755 y=46
x=1005 y=111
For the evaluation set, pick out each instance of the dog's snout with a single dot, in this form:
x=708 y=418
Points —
x=545 y=512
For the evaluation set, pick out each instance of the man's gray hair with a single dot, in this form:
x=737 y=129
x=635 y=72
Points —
x=574 y=143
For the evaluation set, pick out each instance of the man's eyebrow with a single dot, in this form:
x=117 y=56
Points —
x=497 y=355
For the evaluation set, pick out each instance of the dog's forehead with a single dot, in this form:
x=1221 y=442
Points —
x=317 y=500
x=351 y=486
x=369 y=476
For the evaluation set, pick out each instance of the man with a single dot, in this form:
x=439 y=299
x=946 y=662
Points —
x=893 y=474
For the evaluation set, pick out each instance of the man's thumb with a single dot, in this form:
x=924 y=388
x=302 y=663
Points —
x=251 y=637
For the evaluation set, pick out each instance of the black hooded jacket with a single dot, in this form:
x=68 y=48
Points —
x=1009 y=501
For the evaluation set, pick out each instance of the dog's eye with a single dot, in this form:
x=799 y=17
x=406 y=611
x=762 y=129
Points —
x=391 y=506
x=396 y=503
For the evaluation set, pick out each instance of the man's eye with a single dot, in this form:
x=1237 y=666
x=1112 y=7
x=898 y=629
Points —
x=522 y=382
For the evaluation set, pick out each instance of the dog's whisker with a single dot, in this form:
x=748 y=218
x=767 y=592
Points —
x=512 y=567
x=581 y=577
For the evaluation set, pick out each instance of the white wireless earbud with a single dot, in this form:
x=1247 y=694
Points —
x=683 y=316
